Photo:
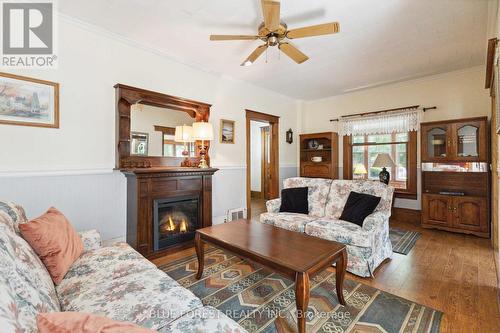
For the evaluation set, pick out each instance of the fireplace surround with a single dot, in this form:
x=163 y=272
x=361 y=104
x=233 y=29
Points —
x=154 y=195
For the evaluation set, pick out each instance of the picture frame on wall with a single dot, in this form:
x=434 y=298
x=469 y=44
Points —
x=227 y=131
x=27 y=101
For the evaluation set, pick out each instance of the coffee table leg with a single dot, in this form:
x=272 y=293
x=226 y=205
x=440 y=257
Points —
x=302 y=299
x=340 y=268
x=200 y=254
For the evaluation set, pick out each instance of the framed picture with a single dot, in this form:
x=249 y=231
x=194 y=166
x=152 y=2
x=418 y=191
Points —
x=226 y=131
x=139 y=144
x=28 y=102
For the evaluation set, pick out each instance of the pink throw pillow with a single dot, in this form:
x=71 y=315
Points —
x=77 y=322
x=54 y=241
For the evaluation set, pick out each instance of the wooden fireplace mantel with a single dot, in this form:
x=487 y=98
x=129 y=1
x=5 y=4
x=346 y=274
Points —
x=145 y=185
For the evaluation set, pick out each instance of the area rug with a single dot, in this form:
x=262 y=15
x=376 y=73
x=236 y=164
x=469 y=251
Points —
x=263 y=301
x=403 y=240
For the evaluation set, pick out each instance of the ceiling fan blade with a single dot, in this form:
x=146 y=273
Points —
x=314 y=30
x=293 y=52
x=233 y=37
x=271 y=12
x=255 y=54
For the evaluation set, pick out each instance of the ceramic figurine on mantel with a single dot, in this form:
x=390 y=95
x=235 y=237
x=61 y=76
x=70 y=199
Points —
x=203 y=131
x=384 y=161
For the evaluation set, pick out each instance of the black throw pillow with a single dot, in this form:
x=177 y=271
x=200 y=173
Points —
x=358 y=206
x=294 y=200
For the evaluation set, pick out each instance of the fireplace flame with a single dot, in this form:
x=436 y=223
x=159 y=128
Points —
x=183 y=226
x=170 y=226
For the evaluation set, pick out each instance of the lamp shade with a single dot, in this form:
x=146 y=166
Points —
x=383 y=160
x=203 y=131
x=359 y=169
x=183 y=133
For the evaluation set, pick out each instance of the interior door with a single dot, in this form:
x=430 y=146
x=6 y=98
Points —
x=266 y=162
x=437 y=209
x=470 y=213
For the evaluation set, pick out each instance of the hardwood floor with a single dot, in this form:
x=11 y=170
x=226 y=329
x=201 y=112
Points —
x=258 y=206
x=450 y=272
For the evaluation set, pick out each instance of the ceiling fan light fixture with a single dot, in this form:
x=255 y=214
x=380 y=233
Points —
x=247 y=63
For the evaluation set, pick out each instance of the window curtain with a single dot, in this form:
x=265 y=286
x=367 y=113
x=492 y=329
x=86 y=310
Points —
x=400 y=122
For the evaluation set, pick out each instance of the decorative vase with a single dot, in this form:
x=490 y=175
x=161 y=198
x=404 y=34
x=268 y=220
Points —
x=384 y=176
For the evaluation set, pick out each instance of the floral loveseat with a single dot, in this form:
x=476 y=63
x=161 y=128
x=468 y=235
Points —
x=113 y=281
x=367 y=246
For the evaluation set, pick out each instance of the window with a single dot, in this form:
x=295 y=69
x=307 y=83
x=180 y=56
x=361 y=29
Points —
x=360 y=152
x=172 y=148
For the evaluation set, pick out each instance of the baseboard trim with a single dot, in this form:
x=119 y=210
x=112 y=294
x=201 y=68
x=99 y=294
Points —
x=406 y=215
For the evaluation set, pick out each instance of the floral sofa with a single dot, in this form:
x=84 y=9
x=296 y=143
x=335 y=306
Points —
x=113 y=281
x=367 y=246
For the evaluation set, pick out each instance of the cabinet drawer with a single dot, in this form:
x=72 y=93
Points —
x=316 y=170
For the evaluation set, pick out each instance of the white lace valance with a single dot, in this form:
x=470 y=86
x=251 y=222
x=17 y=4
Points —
x=400 y=122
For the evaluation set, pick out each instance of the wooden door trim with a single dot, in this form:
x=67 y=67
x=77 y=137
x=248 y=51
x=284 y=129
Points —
x=263 y=131
x=274 y=168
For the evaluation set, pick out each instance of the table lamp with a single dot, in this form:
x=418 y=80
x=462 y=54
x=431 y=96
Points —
x=184 y=134
x=384 y=161
x=203 y=131
x=359 y=170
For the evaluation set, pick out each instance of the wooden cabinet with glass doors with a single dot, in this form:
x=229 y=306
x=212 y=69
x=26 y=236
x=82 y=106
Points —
x=455 y=176
x=455 y=141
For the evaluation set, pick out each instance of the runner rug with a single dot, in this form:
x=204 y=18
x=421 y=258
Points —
x=403 y=240
x=261 y=300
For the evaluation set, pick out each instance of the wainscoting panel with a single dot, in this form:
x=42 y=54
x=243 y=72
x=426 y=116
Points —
x=98 y=199
x=89 y=200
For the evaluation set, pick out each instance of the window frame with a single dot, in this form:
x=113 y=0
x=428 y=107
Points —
x=411 y=162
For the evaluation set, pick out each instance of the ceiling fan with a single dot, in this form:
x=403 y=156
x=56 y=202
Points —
x=274 y=32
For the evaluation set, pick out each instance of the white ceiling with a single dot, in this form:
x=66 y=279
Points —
x=380 y=41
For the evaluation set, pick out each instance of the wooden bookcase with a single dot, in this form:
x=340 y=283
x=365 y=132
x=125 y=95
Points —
x=324 y=145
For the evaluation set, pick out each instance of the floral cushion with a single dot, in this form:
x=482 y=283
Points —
x=289 y=221
x=273 y=205
x=129 y=288
x=205 y=319
x=340 y=231
x=318 y=192
x=26 y=280
x=11 y=214
x=91 y=239
x=24 y=277
x=9 y=314
x=340 y=190
x=104 y=263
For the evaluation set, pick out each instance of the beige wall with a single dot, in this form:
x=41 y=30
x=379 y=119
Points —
x=458 y=94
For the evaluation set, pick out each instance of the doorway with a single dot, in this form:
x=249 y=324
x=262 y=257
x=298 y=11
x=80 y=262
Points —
x=262 y=161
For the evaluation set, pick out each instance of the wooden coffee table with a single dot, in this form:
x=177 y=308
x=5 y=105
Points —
x=293 y=254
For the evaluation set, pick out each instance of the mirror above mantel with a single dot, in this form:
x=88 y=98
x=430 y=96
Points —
x=154 y=129
x=160 y=132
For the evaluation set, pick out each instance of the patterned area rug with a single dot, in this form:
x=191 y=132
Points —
x=403 y=240
x=263 y=301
